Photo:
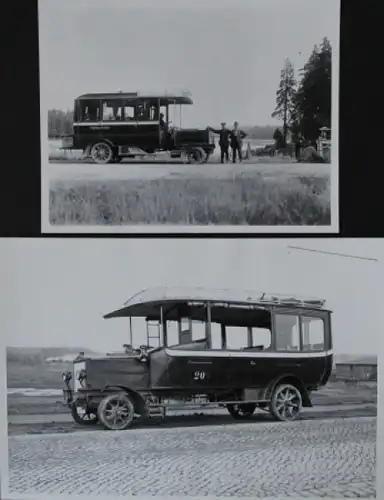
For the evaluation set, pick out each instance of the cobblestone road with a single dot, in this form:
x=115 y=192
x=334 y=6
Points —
x=306 y=458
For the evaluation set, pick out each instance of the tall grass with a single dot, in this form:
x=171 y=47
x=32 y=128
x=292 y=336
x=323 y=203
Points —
x=241 y=200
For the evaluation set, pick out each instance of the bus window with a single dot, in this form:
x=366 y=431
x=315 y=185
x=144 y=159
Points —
x=87 y=111
x=287 y=332
x=129 y=112
x=111 y=111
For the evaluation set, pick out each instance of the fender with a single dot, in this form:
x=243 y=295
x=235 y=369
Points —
x=88 y=147
x=140 y=405
x=108 y=142
x=289 y=379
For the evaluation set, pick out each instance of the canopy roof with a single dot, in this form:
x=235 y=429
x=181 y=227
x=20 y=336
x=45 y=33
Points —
x=183 y=98
x=188 y=301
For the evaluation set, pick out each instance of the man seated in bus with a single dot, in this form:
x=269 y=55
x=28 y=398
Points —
x=142 y=112
x=91 y=113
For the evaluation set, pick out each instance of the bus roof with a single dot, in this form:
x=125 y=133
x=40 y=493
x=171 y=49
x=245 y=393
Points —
x=146 y=303
x=164 y=98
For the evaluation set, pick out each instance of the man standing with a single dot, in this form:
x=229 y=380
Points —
x=163 y=131
x=237 y=137
x=224 y=134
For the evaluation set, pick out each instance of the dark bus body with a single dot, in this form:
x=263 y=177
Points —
x=281 y=367
x=108 y=127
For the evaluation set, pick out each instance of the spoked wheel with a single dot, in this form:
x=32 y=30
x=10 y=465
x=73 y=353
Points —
x=241 y=411
x=102 y=153
x=81 y=416
x=286 y=403
x=116 y=412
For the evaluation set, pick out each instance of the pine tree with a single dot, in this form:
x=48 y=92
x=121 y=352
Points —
x=285 y=96
x=312 y=102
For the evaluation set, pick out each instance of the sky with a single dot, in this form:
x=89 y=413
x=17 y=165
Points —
x=227 y=54
x=55 y=292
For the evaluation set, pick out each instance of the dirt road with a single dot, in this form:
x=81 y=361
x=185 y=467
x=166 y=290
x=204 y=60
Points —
x=61 y=171
x=63 y=423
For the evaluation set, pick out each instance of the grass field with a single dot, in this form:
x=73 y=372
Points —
x=44 y=376
x=241 y=199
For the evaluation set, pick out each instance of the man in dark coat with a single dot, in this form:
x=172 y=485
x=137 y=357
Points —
x=162 y=121
x=237 y=137
x=163 y=131
x=224 y=134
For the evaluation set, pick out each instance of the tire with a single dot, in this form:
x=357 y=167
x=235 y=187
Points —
x=241 y=411
x=83 y=418
x=286 y=403
x=102 y=153
x=116 y=412
x=196 y=155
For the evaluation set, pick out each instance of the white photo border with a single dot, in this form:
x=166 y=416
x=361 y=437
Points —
x=333 y=228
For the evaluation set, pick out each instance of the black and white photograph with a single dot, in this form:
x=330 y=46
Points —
x=243 y=368
x=181 y=116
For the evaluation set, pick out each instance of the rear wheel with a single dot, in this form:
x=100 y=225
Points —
x=102 y=153
x=116 y=412
x=286 y=402
x=81 y=416
x=242 y=410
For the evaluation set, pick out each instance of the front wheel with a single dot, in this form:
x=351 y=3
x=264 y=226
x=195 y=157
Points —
x=286 y=403
x=241 y=411
x=116 y=412
x=81 y=416
x=196 y=155
x=207 y=156
x=102 y=153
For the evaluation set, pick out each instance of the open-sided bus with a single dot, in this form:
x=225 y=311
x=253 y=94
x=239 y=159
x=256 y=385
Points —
x=109 y=127
x=241 y=350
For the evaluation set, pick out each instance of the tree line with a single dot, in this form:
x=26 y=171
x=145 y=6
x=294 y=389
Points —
x=304 y=105
x=59 y=123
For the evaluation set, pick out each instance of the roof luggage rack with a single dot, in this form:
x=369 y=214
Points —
x=284 y=300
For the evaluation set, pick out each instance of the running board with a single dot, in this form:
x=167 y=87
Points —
x=180 y=407
x=131 y=151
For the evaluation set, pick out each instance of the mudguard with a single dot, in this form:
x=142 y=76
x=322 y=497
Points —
x=289 y=379
x=139 y=403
